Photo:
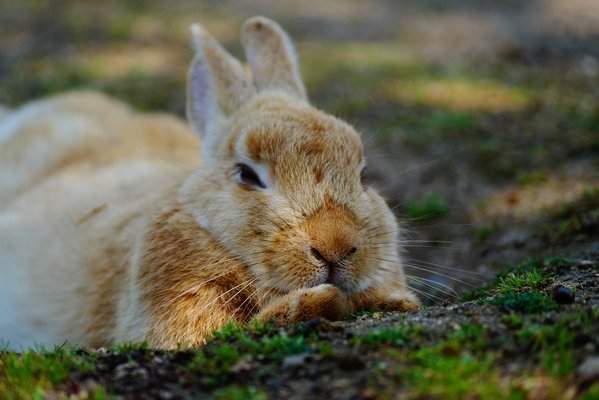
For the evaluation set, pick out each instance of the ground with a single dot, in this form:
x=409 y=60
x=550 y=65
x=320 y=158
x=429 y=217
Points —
x=481 y=121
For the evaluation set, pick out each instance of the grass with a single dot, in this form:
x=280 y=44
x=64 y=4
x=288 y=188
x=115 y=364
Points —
x=400 y=335
x=32 y=373
x=430 y=206
x=484 y=232
x=435 y=374
x=467 y=363
x=235 y=392
x=233 y=343
x=527 y=276
x=527 y=302
x=422 y=361
x=518 y=281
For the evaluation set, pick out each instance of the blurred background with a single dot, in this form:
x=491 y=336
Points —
x=480 y=118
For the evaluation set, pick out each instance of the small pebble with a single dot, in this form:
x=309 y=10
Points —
x=589 y=369
x=563 y=295
x=295 y=360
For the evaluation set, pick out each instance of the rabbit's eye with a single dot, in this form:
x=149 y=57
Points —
x=363 y=176
x=247 y=176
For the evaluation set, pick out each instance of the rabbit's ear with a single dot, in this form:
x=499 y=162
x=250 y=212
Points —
x=217 y=84
x=271 y=56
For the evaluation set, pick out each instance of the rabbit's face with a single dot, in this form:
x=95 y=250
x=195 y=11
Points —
x=285 y=195
x=280 y=187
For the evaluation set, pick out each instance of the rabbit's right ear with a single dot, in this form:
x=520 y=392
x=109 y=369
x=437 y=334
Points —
x=217 y=85
x=272 y=57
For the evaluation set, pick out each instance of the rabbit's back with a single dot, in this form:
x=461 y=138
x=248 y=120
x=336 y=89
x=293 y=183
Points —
x=77 y=172
x=85 y=130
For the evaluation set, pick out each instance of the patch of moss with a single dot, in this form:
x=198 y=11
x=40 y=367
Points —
x=527 y=302
x=235 y=392
x=553 y=344
x=446 y=121
x=591 y=393
x=232 y=343
x=430 y=206
x=397 y=336
x=32 y=373
x=435 y=374
x=513 y=281
x=128 y=347
x=530 y=274
x=512 y=320
x=484 y=232
x=531 y=177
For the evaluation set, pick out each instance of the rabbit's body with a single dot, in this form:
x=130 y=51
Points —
x=78 y=174
x=110 y=230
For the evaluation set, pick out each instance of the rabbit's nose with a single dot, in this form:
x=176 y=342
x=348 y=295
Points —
x=331 y=259
x=333 y=234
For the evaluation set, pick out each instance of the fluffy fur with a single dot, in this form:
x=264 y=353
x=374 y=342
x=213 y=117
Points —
x=111 y=230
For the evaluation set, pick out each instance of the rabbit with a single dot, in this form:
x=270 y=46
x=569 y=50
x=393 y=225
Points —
x=120 y=226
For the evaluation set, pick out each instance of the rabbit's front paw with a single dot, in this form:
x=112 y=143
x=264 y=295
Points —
x=403 y=304
x=324 y=300
x=385 y=300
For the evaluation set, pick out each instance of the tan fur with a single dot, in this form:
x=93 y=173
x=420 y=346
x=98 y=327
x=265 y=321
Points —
x=116 y=233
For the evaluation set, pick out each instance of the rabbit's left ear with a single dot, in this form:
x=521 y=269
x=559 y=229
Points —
x=217 y=85
x=271 y=56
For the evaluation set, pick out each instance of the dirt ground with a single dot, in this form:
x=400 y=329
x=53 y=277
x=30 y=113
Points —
x=481 y=121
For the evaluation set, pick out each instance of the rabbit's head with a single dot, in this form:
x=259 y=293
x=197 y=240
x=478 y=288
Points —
x=280 y=186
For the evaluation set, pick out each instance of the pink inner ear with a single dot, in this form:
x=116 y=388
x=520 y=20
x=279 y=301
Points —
x=201 y=96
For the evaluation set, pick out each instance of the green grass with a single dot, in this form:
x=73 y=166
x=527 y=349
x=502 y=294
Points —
x=517 y=281
x=397 y=336
x=430 y=206
x=235 y=392
x=32 y=373
x=461 y=365
x=434 y=374
x=232 y=343
x=526 y=303
x=532 y=274
x=592 y=393
x=484 y=232
x=554 y=343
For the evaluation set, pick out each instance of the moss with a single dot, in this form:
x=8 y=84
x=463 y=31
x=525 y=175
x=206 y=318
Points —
x=527 y=303
x=484 y=232
x=552 y=344
x=232 y=343
x=235 y=392
x=531 y=177
x=438 y=375
x=518 y=281
x=397 y=336
x=512 y=320
x=430 y=206
x=530 y=274
x=32 y=373
x=128 y=347
x=591 y=393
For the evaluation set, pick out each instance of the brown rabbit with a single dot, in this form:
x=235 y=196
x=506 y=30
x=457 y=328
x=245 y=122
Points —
x=111 y=230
